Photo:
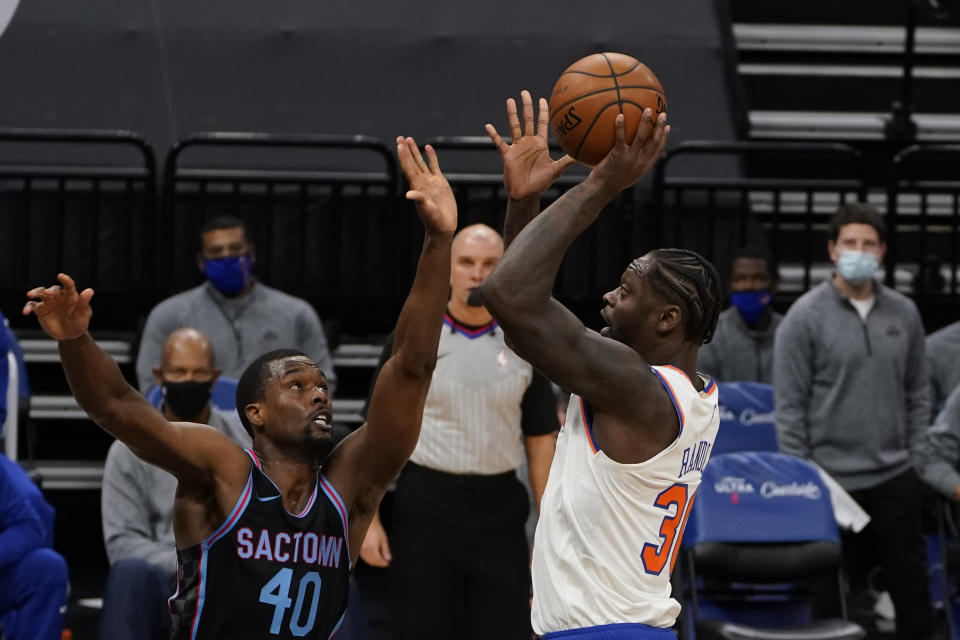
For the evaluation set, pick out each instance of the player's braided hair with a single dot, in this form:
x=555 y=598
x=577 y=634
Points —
x=253 y=382
x=688 y=280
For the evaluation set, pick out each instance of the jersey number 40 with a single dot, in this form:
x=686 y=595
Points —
x=277 y=593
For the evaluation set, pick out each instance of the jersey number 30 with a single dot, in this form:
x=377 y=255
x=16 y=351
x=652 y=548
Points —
x=655 y=556
x=277 y=593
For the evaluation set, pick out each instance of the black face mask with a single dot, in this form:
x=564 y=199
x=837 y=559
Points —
x=186 y=399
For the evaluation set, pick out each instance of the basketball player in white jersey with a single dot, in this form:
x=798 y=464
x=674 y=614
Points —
x=641 y=422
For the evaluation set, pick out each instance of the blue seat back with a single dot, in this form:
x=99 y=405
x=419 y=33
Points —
x=746 y=418
x=223 y=396
x=760 y=497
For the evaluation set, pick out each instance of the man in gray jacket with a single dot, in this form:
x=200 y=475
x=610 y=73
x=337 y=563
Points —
x=242 y=316
x=852 y=394
x=940 y=453
x=742 y=346
x=943 y=360
x=137 y=498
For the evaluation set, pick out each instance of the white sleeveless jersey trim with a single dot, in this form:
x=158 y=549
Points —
x=601 y=552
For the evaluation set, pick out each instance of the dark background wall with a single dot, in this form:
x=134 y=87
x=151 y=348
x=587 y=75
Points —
x=426 y=68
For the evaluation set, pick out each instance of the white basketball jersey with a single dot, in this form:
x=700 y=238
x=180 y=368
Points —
x=609 y=533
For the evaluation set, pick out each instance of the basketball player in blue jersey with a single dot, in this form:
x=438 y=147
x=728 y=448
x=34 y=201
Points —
x=266 y=537
x=641 y=422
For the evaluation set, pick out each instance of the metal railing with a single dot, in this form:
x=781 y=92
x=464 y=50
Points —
x=595 y=260
x=82 y=201
x=736 y=194
x=320 y=209
x=923 y=212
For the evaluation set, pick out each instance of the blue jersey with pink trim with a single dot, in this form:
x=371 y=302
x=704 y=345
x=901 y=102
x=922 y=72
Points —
x=609 y=533
x=266 y=573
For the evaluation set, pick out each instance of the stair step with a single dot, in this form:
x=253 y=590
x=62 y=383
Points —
x=838 y=125
x=840 y=39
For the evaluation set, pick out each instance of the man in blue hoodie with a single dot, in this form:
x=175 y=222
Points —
x=33 y=577
x=852 y=394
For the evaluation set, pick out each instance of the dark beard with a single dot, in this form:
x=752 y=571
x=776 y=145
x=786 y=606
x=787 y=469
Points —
x=319 y=448
x=474 y=299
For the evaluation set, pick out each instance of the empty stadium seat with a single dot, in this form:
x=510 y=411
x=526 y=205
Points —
x=760 y=527
x=746 y=418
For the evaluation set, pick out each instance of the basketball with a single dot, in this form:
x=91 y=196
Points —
x=590 y=94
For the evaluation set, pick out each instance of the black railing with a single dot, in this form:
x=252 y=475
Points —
x=594 y=262
x=923 y=210
x=331 y=224
x=735 y=193
x=77 y=201
x=320 y=209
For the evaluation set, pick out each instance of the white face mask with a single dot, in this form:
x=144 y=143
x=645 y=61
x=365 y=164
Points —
x=857 y=267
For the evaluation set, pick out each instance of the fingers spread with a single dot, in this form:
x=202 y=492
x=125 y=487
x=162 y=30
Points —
x=563 y=164
x=527 y=112
x=69 y=286
x=415 y=153
x=543 y=118
x=512 y=119
x=497 y=140
x=410 y=159
x=432 y=159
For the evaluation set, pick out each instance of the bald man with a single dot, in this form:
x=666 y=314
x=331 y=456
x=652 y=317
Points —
x=137 y=498
x=457 y=545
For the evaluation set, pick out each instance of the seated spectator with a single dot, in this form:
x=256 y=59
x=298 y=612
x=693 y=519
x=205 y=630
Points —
x=242 y=316
x=742 y=347
x=33 y=577
x=943 y=361
x=137 y=499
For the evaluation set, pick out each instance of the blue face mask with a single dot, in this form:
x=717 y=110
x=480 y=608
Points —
x=229 y=275
x=751 y=304
x=857 y=267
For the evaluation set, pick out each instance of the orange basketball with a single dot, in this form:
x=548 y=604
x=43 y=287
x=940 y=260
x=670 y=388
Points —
x=591 y=93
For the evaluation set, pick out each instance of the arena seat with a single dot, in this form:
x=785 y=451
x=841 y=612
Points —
x=760 y=529
x=746 y=418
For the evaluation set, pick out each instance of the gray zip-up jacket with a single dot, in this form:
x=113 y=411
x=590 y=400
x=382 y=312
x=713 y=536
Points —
x=851 y=395
x=943 y=363
x=940 y=453
x=738 y=353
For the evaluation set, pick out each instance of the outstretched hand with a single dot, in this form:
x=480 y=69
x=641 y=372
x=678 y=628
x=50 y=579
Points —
x=628 y=161
x=428 y=187
x=62 y=311
x=527 y=168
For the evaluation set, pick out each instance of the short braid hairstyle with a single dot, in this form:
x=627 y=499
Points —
x=688 y=280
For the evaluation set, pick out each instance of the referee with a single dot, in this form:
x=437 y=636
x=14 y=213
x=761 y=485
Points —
x=458 y=549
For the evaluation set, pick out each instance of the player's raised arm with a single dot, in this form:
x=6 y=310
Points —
x=518 y=292
x=186 y=451
x=528 y=169
x=366 y=462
